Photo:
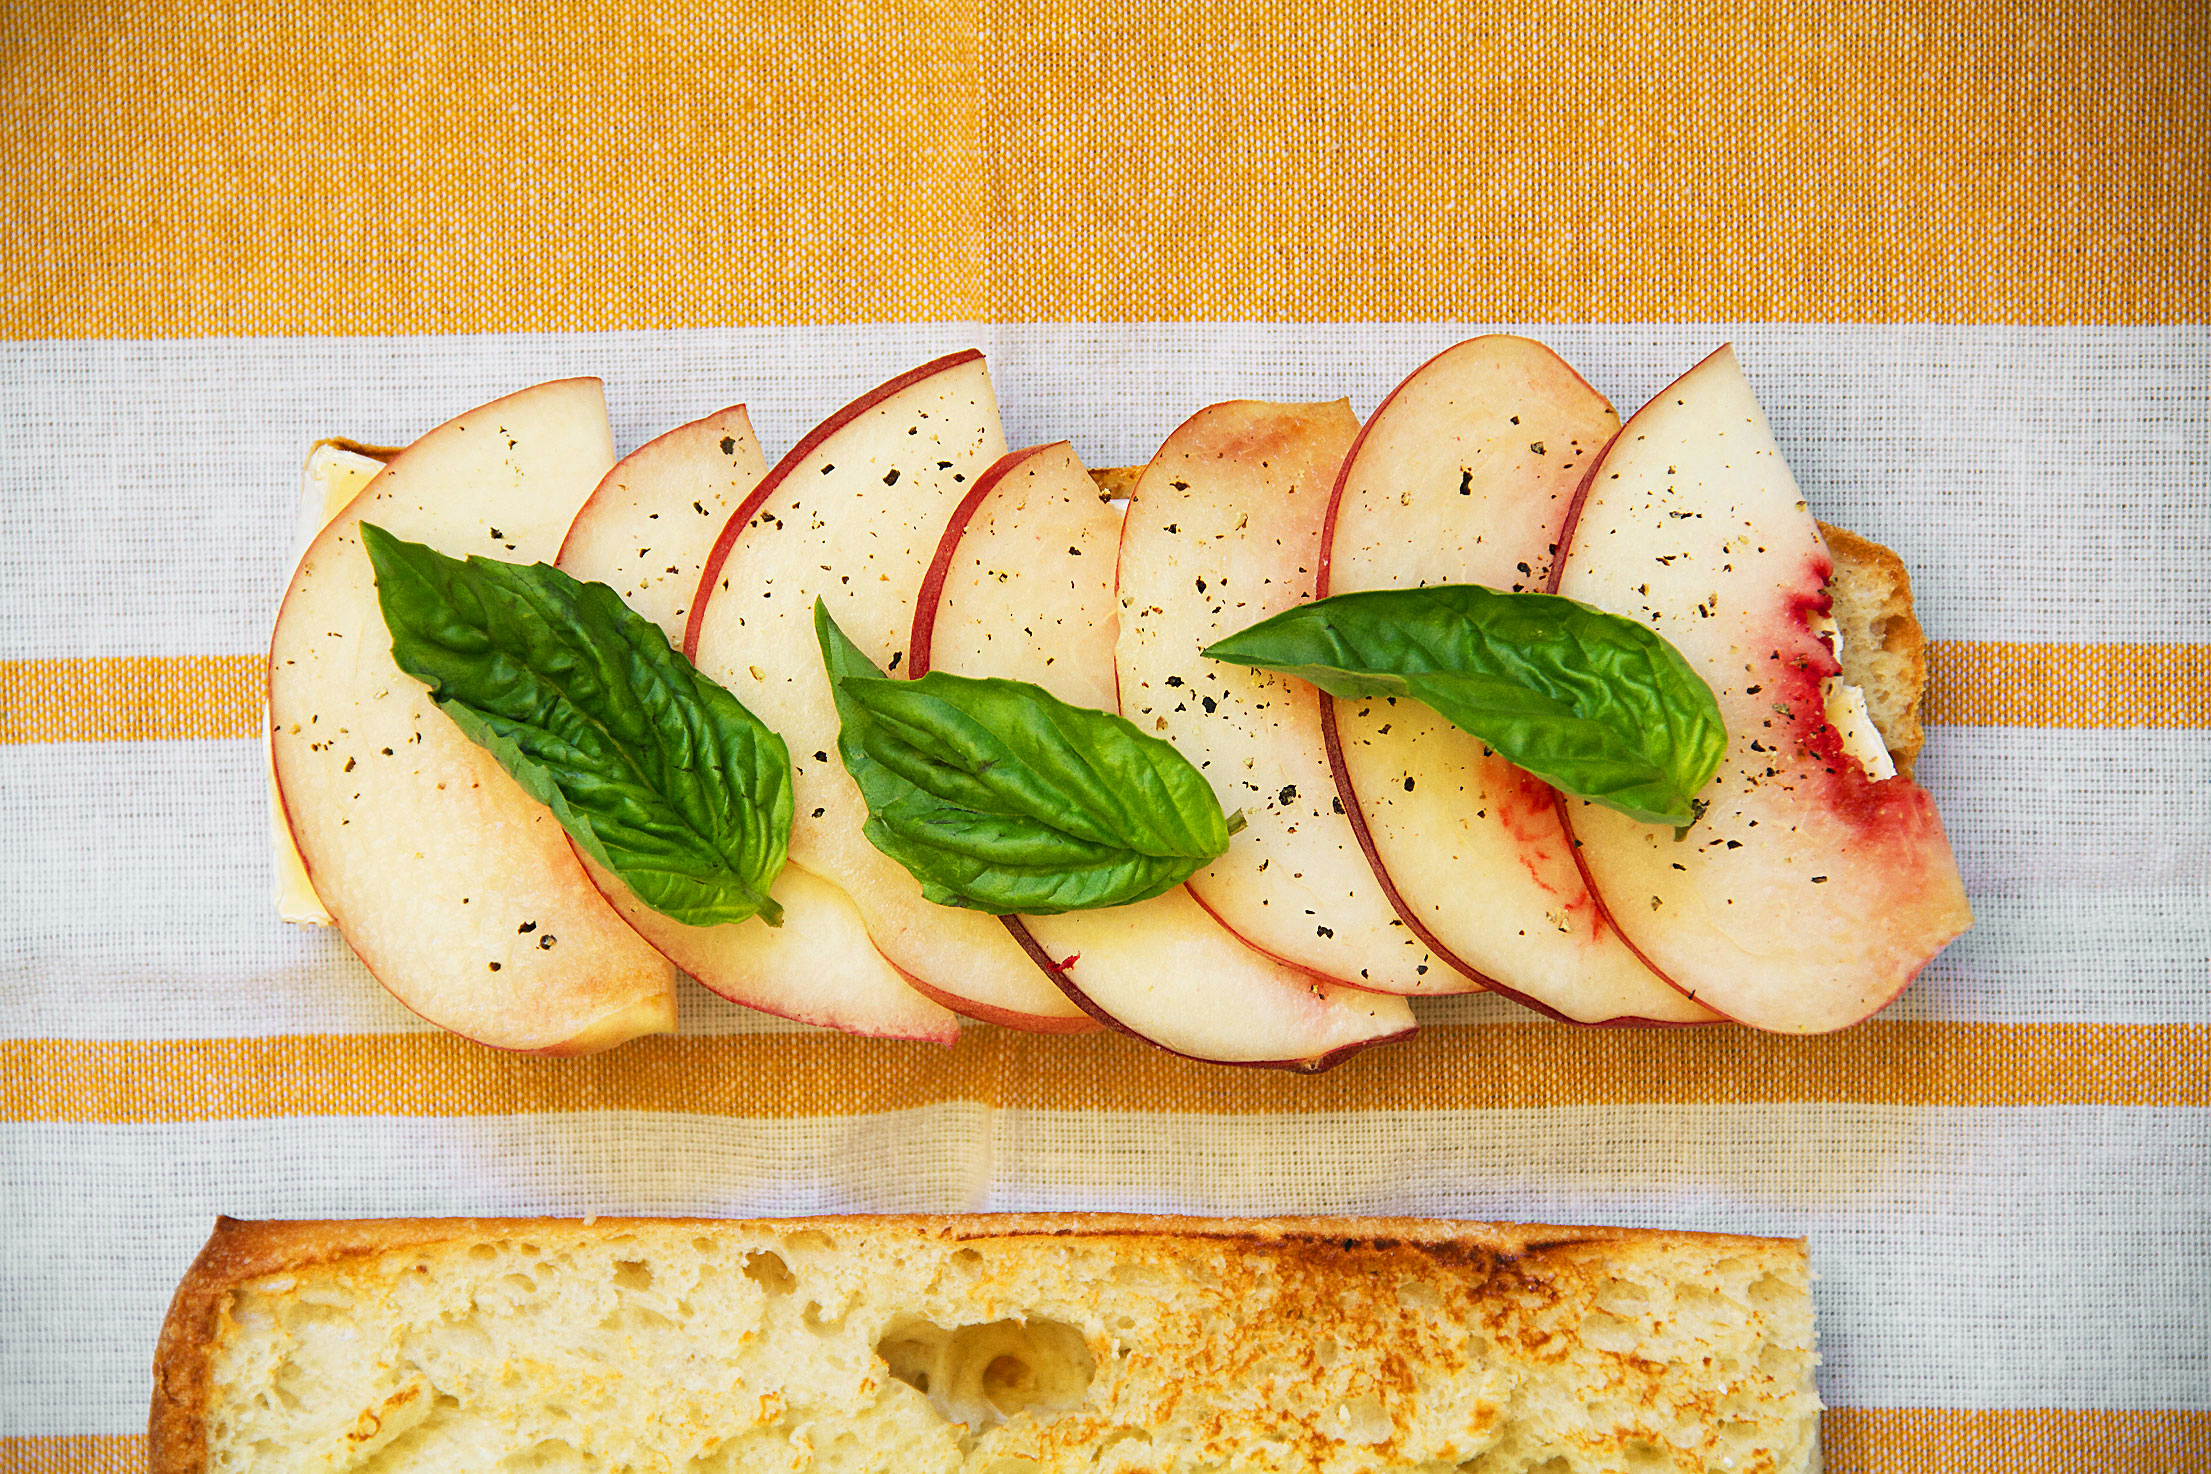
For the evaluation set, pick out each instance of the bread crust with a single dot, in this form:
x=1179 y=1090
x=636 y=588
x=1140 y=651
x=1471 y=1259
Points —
x=1884 y=650
x=239 y=1250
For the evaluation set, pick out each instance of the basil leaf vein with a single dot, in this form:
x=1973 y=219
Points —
x=1596 y=705
x=998 y=796
x=658 y=773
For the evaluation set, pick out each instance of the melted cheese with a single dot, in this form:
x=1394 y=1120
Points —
x=334 y=476
x=1847 y=713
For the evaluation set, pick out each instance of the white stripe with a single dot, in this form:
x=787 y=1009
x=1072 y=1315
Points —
x=1967 y=1258
x=2043 y=484
x=2087 y=856
x=143 y=868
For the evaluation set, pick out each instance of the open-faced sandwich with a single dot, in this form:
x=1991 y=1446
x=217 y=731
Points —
x=1490 y=692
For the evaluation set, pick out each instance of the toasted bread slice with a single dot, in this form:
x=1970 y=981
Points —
x=985 y=1344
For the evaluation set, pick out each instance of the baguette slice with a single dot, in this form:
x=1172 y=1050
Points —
x=988 y=1345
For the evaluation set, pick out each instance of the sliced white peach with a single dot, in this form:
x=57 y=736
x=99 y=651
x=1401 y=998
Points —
x=647 y=531
x=1224 y=530
x=1025 y=591
x=818 y=967
x=852 y=516
x=649 y=524
x=1464 y=475
x=1809 y=892
x=457 y=890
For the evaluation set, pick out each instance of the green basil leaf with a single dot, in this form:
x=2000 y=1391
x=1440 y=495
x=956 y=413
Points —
x=998 y=796
x=655 y=771
x=1595 y=705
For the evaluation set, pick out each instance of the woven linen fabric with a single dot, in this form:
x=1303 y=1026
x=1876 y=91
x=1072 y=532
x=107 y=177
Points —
x=1961 y=249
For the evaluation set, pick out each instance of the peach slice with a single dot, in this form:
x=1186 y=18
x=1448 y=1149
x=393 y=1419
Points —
x=1464 y=475
x=1025 y=591
x=1809 y=892
x=852 y=515
x=647 y=531
x=455 y=888
x=1224 y=530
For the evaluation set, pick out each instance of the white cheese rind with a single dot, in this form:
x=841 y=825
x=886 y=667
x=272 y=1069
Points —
x=1847 y=712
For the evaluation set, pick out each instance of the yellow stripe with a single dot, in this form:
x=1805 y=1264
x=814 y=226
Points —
x=77 y=1453
x=1467 y=1067
x=131 y=698
x=1913 y=1440
x=1989 y=684
x=1971 y=684
x=1904 y=1440
x=343 y=167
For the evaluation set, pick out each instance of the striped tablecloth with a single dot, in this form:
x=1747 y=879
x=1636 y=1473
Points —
x=1961 y=247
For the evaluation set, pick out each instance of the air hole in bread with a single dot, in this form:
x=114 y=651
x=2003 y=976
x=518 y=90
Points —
x=1419 y=1295
x=967 y=1259
x=1623 y=1297
x=482 y=1252
x=1364 y=1420
x=632 y=1318
x=550 y=1455
x=765 y=1268
x=1770 y=1292
x=1609 y=1332
x=1141 y=1276
x=811 y=1241
x=632 y=1274
x=521 y=1284
x=980 y=1375
x=1646 y=1457
x=1696 y=1308
x=1327 y=1352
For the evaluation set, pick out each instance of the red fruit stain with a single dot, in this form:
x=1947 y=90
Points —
x=1528 y=808
x=1884 y=809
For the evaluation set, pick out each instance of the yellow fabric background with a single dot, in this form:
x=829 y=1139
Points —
x=1970 y=683
x=437 y=168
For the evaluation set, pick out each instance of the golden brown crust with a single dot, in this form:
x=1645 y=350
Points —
x=1884 y=650
x=238 y=1251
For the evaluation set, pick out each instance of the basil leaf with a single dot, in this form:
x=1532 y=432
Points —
x=655 y=771
x=1593 y=704
x=998 y=796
